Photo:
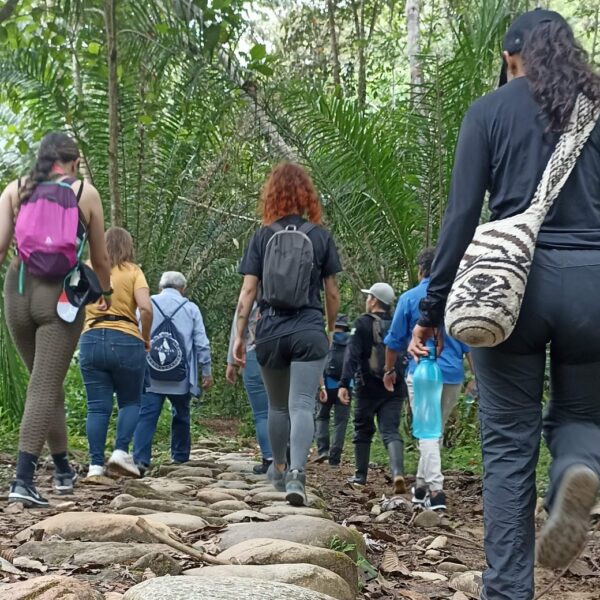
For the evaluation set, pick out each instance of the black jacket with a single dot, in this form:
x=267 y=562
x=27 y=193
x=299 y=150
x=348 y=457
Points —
x=356 y=359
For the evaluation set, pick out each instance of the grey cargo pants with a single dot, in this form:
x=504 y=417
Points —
x=560 y=309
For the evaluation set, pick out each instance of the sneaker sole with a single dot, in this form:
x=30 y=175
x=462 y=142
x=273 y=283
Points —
x=26 y=501
x=565 y=533
x=399 y=486
x=121 y=471
x=320 y=459
x=296 y=498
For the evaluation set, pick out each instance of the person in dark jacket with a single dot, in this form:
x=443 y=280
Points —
x=328 y=398
x=364 y=362
x=506 y=140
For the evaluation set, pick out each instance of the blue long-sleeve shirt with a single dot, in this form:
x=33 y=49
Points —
x=400 y=333
x=190 y=325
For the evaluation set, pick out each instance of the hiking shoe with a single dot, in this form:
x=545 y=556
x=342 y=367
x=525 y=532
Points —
x=142 y=468
x=26 y=494
x=399 y=485
x=63 y=482
x=357 y=480
x=294 y=488
x=436 y=501
x=95 y=471
x=121 y=463
x=565 y=533
x=321 y=458
x=335 y=464
x=263 y=467
x=419 y=495
x=277 y=478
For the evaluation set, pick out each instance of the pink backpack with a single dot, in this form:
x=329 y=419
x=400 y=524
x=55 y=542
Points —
x=46 y=229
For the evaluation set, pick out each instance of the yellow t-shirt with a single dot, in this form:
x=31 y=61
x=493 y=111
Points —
x=124 y=280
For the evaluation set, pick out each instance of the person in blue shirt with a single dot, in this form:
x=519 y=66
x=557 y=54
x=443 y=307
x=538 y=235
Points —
x=328 y=397
x=429 y=486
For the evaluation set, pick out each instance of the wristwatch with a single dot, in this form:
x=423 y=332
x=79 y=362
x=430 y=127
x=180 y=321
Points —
x=109 y=292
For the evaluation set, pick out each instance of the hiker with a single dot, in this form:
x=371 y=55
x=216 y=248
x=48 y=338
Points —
x=429 y=487
x=364 y=362
x=113 y=358
x=294 y=259
x=328 y=397
x=506 y=141
x=180 y=353
x=68 y=212
x=255 y=388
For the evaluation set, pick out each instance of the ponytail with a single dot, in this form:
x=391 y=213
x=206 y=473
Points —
x=54 y=147
x=558 y=70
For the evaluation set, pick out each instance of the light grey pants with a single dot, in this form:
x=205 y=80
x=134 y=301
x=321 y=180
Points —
x=429 y=473
x=292 y=395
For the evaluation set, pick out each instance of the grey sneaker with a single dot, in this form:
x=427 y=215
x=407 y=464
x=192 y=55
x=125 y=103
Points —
x=63 y=483
x=26 y=494
x=277 y=478
x=294 y=487
x=566 y=531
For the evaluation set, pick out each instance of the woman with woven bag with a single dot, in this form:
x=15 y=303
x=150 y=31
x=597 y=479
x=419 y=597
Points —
x=525 y=281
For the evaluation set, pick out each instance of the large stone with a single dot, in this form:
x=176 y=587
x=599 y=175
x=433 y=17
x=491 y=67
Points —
x=262 y=551
x=50 y=587
x=297 y=528
x=55 y=553
x=176 y=520
x=303 y=575
x=159 y=563
x=270 y=495
x=283 y=510
x=230 y=476
x=427 y=519
x=230 y=485
x=193 y=472
x=234 y=457
x=235 y=494
x=212 y=496
x=241 y=466
x=138 y=489
x=203 y=588
x=196 y=482
x=169 y=486
x=230 y=505
x=196 y=509
x=245 y=516
x=94 y=527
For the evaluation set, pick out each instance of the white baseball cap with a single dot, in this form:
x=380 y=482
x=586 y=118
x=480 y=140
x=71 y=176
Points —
x=382 y=291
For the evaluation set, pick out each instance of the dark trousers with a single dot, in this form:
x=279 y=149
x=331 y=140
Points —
x=341 y=414
x=371 y=403
x=560 y=308
x=180 y=427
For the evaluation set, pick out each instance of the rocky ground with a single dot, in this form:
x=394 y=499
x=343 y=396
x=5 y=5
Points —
x=212 y=529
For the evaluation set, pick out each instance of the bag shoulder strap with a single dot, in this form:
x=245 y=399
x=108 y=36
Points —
x=160 y=310
x=275 y=227
x=568 y=149
x=307 y=227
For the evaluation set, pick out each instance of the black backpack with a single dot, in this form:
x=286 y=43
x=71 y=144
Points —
x=335 y=358
x=377 y=356
x=167 y=358
x=287 y=267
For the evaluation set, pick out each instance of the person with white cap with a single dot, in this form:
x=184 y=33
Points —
x=364 y=362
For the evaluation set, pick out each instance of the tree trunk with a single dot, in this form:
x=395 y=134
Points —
x=413 y=44
x=116 y=217
x=8 y=9
x=358 y=12
x=335 y=51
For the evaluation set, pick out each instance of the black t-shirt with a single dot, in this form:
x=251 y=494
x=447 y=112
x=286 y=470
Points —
x=326 y=263
x=503 y=148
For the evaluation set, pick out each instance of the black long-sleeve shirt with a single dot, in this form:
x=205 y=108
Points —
x=356 y=358
x=503 y=148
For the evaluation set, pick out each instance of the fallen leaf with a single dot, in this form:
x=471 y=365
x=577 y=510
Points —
x=410 y=595
x=468 y=583
x=379 y=534
x=429 y=576
x=390 y=563
x=581 y=569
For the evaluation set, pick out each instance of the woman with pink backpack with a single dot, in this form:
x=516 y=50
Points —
x=51 y=215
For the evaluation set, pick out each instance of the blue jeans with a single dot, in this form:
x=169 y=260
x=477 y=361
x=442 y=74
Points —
x=259 y=402
x=111 y=363
x=180 y=427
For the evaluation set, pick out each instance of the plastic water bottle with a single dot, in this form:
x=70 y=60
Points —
x=427 y=403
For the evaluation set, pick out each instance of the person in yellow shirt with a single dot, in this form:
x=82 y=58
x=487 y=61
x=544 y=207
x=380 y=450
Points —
x=113 y=357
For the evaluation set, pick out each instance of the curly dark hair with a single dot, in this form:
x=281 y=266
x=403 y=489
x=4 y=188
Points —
x=558 y=70
x=289 y=190
x=425 y=260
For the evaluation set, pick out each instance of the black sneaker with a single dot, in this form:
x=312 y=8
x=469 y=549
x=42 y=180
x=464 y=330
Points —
x=357 y=480
x=321 y=458
x=142 y=468
x=294 y=488
x=263 y=467
x=63 y=483
x=26 y=494
x=419 y=495
x=334 y=463
x=436 y=501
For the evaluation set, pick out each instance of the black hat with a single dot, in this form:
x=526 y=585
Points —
x=517 y=33
x=342 y=321
x=81 y=286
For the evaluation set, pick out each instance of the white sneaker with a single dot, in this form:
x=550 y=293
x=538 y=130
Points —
x=95 y=471
x=121 y=462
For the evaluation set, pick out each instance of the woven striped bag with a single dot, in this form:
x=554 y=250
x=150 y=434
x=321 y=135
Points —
x=486 y=296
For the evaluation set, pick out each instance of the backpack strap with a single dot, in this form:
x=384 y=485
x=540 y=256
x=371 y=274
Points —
x=275 y=227
x=160 y=310
x=307 y=227
x=80 y=191
x=375 y=327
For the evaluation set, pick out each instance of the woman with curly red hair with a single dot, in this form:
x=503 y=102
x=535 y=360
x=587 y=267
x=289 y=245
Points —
x=291 y=343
